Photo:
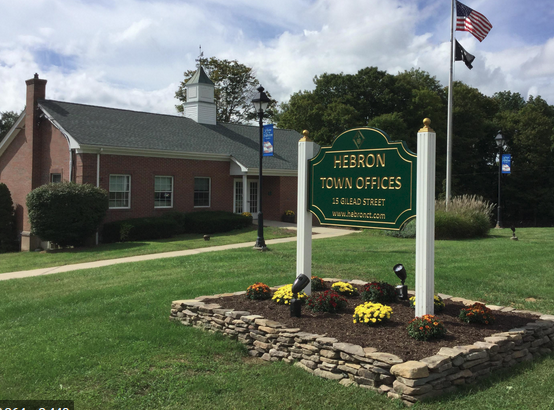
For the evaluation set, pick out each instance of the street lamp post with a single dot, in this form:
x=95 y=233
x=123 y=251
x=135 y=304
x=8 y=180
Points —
x=260 y=103
x=500 y=142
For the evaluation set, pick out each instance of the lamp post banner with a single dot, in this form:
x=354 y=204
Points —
x=363 y=180
x=268 y=140
x=506 y=163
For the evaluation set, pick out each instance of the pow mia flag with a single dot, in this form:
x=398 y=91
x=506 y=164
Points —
x=463 y=55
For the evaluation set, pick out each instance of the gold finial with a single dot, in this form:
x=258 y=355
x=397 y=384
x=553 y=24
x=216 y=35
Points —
x=426 y=126
x=306 y=137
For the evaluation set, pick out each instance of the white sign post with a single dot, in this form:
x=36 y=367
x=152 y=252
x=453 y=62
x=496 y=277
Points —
x=306 y=150
x=425 y=221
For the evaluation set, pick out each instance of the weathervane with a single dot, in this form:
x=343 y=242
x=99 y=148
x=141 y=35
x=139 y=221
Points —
x=199 y=59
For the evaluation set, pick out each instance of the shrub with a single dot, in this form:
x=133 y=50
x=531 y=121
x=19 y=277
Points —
x=66 y=213
x=426 y=327
x=344 y=288
x=209 y=222
x=467 y=217
x=283 y=295
x=318 y=283
x=258 y=291
x=438 y=303
x=379 y=292
x=407 y=231
x=179 y=220
x=372 y=313
x=138 y=229
x=477 y=313
x=8 y=234
x=328 y=301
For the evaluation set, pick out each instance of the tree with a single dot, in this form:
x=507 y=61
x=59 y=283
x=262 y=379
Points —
x=7 y=221
x=528 y=192
x=7 y=120
x=66 y=213
x=235 y=87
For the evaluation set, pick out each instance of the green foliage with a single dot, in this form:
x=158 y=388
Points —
x=235 y=86
x=328 y=301
x=407 y=231
x=66 y=213
x=372 y=313
x=258 y=291
x=208 y=222
x=426 y=327
x=438 y=303
x=467 y=217
x=379 y=292
x=7 y=120
x=173 y=223
x=179 y=220
x=8 y=234
x=138 y=229
x=318 y=283
x=477 y=313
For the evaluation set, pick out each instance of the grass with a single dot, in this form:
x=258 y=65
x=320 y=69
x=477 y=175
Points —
x=19 y=261
x=102 y=337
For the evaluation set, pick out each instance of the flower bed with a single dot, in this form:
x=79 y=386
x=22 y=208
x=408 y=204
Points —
x=365 y=366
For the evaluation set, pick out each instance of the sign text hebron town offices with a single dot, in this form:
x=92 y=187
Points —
x=363 y=180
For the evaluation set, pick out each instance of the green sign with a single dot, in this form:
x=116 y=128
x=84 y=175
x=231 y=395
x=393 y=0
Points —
x=363 y=180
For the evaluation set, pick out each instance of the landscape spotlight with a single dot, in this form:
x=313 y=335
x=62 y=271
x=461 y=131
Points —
x=298 y=286
x=401 y=290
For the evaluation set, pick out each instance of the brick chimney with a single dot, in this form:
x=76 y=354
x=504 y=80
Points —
x=31 y=152
x=36 y=90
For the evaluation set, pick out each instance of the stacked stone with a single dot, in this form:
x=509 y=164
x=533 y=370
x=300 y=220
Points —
x=320 y=355
x=452 y=367
x=384 y=373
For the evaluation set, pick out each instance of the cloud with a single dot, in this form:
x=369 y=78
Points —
x=132 y=53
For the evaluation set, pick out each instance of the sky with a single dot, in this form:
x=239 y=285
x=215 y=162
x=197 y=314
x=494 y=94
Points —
x=132 y=54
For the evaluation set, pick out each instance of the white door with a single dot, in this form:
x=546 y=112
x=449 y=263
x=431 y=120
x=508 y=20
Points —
x=251 y=196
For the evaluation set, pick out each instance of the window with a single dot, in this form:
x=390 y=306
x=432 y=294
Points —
x=120 y=191
x=202 y=192
x=163 y=192
x=55 y=178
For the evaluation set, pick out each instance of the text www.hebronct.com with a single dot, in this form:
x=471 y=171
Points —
x=358 y=215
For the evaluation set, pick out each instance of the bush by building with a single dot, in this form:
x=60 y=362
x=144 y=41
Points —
x=173 y=223
x=66 y=214
x=8 y=233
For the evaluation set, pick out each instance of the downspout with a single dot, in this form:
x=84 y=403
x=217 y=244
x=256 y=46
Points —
x=98 y=181
x=70 y=164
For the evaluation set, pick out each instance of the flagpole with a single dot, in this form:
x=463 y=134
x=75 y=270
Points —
x=449 y=119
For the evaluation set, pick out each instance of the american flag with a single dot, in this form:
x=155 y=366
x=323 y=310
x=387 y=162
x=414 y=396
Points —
x=470 y=20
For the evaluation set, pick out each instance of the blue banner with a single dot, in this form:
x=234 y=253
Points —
x=268 y=140
x=506 y=163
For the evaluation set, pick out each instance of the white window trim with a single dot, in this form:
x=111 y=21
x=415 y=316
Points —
x=52 y=177
x=209 y=193
x=172 y=193
x=120 y=175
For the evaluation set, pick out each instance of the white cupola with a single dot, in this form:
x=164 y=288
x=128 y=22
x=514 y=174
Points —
x=200 y=105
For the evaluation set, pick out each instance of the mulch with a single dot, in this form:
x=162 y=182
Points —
x=390 y=337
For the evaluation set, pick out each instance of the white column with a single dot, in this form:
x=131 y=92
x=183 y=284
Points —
x=425 y=221
x=245 y=207
x=306 y=150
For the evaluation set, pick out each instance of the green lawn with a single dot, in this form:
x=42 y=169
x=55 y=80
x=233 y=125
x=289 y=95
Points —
x=102 y=336
x=13 y=262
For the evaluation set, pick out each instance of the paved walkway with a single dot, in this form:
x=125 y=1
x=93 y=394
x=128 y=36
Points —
x=318 y=233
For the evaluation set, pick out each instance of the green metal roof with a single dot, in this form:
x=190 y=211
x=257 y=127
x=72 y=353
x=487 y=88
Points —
x=200 y=77
x=94 y=126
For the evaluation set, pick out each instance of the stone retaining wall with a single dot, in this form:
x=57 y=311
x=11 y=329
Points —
x=382 y=372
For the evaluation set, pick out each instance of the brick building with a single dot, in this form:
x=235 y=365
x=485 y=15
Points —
x=149 y=163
